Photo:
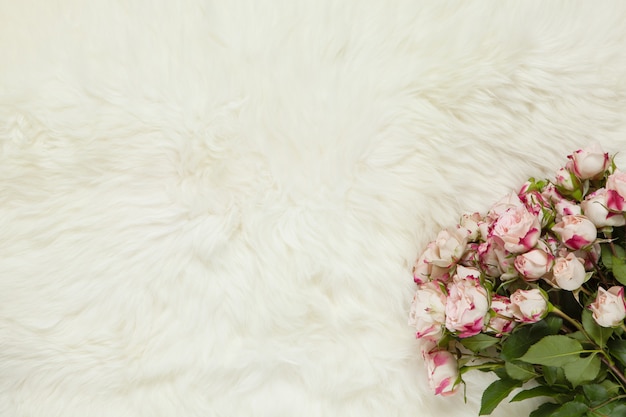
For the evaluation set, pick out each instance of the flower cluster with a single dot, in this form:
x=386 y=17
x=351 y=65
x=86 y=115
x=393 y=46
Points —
x=545 y=262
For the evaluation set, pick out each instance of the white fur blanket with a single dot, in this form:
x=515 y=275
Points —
x=211 y=208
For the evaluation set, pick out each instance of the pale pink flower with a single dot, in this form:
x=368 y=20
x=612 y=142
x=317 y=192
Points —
x=595 y=208
x=470 y=223
x=503 y=320
x=528 y=306
x=609 y=309
x=428 y=311
x=590 y=162
x=443 y=371
x=534 y=264
x=449 y=247
x=517 y=230
x=576 y=231
x=568 y=272
x=467 y=304
x=509 y=201
x=488 y=259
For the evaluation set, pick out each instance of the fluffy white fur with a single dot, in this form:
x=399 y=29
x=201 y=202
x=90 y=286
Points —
x=211 y=208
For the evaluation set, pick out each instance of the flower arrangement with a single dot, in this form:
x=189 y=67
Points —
x=534 y=292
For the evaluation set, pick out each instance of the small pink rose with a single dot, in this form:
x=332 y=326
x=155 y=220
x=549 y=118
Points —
x=528 y=306
x=503 y=321
x=609 y=309
x=488 y=259
x=590 y=162
x=517 y=230
x=534 y=264
x=568 y=272
x=566 y=207
x=428 y=311
x=576 y=231
x=470 y=223
x=509 y=201
x=467 y=304
x=443 y=371
x=616 y=191
x=595 y=207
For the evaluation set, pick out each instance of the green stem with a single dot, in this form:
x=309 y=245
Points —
x=488 y=366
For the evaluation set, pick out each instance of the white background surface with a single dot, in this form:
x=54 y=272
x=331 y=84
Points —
x=212 y=208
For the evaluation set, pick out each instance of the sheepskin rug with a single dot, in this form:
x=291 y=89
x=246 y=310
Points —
x=211 y=208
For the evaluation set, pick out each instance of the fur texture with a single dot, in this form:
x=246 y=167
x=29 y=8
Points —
x=212 y=208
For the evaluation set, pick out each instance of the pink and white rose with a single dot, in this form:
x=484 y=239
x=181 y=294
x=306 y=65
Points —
x=467 y=304
x=517 y=230
x=534 y=264
x=569 y=272
x=609 y=308
x=443 y=371
x=590 y=162
x=616 y=191
x=449 y=247
x=576 y=231
x=528 y=306
x=595 y=208
x=502 y=321
x=428 y=311
x=488 y=259
x=509 y=201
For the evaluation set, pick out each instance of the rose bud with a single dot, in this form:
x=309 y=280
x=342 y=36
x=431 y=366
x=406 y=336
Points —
x=528 y=306
x=466 y=306
x=488 y=259
x=576 y=231
x=590 y=256
x=428 y=309
x=517 y=230
x=470 y=223
x=569 y=272
x=609 y=309
x=566 y=207
x=616 y=191
x=595 y=208
x=566 y=181
x=443 y=371
x=534 y=264
x=590 y=162
x=422 y=267
x=503 y=320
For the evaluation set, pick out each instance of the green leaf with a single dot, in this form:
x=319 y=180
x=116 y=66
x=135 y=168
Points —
x=544 y=410
x=619 y=411
x=495 y=393
x=619 y=269
x=606 y=255
x=583 y=370
x=520 y=370
x=554 y=375
x=523 y=337
x=612 y=409
x=617 y=349
x=599 y=334
x=613 y=388
x=596 y=394
x=540 y=391
x=571 y=409
x=553 y=351
x=479 y=342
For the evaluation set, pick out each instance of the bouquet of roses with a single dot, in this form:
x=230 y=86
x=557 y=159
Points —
x=534 y=292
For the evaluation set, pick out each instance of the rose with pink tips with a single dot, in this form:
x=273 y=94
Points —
x=609 y=308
